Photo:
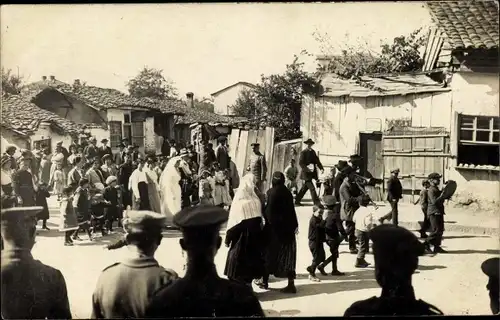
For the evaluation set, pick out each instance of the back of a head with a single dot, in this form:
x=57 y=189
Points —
x=278 y=179
x=18 y=227
x=144 y=228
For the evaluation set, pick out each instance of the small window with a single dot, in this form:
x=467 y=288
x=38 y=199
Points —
x=478 y=129
x=115 y=133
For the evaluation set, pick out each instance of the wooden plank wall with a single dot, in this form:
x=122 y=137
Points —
x=240 y=147
x=283 y=153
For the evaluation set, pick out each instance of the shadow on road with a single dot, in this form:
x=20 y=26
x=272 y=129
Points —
x=284 y=313
x=426 y=268
x=318 y=288
x=466 y=251
x=465 y=237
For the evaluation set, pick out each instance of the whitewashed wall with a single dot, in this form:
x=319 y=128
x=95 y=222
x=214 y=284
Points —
x=227 y=98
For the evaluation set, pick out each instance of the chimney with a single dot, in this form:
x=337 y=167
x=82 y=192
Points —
x=76 y=83
x=190 y=99
x=52 y=78
x=44 y=78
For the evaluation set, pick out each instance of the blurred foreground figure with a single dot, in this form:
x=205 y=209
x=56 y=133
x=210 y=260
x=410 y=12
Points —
x=123 y=289
x=30 y=289
x=395 y=251
x=491 y=268
x=201 y=293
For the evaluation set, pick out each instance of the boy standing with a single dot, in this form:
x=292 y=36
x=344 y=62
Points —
x=111 y=194
x=424 y=201
x=364 y=222
x=291 y=174
x=316 y=238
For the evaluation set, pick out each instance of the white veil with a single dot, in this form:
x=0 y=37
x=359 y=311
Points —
x=170 y=190
x=246 y=204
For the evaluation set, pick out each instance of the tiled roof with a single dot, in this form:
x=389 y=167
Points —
x=24 y=117
x=193 y=115
x=390 y=85
x=467 y=24
x=100 y=98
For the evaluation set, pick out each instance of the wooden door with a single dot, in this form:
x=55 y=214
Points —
x=370 y=148
x=416 y=156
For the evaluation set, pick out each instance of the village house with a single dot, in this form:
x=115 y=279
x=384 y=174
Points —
x=419 y=125
x=27 y=126
x=108 y=113
x=226 y=97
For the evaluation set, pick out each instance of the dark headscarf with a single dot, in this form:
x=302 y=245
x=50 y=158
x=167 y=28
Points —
x=278 y=179
x=280 y=213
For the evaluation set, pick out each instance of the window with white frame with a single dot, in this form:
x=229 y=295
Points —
x=478 y=140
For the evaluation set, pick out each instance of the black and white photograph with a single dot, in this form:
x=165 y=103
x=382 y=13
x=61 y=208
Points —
x=193 y=160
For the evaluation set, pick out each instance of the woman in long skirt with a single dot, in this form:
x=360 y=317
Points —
x=280 y=230
x=244 y=235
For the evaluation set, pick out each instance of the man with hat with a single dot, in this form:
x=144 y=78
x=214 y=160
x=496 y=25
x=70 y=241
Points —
x=186 y=180
x=118 y=157
x=308 y=162
x=202 y=293
x=91 y=151
x=339 y=178
x=435 y=211
x=349 y=192
x=258 y=166
x=124 y=288
x=355 y=161
x=108 y=168
x=9 y=153
x=221 y=153
x=30 y=289
x=394 y=193
x=395 y=251
x=104 y=148
x=491 y=268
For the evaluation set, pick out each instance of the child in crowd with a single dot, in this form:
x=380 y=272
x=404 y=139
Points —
x=364 y=221
x=221 y=189
x=81 y=203
x=316 y=238
x=58 y=180
x=291 y=175
x=328 y=182
x=68 y=220
x=206 y=188
x=98 y=208
x=41 y=200
x=112 y=195
x=423 y=199
x=334 y=234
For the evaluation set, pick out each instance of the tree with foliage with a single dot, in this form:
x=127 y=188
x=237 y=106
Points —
x=11 y=83
x=277 y=100
x=204 y=104
x=151 y=83
x=400 y=55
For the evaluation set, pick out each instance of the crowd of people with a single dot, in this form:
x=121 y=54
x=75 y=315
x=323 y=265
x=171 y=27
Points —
x=201 y=193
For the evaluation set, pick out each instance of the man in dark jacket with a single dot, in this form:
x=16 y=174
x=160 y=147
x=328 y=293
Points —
x=349 y=192
x=309 y=164
x=124 y=288
x=395 y=251
x=394 y=193
x=221 y=153
x=104 y=149
x=30 y=289
x=91 y=151
x=435 y=211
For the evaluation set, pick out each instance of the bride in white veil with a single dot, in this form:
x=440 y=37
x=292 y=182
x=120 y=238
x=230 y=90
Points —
x=170 y=189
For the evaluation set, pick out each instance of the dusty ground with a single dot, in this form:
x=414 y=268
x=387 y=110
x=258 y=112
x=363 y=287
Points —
x=453 y=282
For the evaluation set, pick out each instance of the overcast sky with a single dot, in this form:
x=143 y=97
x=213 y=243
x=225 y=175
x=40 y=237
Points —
x=201 y=47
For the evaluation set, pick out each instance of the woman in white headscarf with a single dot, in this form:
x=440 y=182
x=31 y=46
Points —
x=244 y=234
x=170 y=189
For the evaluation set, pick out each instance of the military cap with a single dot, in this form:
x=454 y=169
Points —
x=341 y=164
x=200 y=216
x=104 y=140
x=395 y=240
x=434 y=175
x=309 y=142
x=105 y=157
x=329 y=200
x=355 y=157
x=110 y=180
x=18 y=219
x=395 y=170
x=491 y=267
x=255 y=144
x=143 y=221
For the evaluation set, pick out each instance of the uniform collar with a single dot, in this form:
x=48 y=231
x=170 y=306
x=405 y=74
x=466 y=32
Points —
x=20 y=254
x=142 y=262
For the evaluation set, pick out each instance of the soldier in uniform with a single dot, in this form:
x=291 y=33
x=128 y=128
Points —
x=309 y=163
x=201 y=293
x=435 y=211
x=395 y=251
x=30 y=289
x=258 y=166
x=491 y=268
x=124 y=288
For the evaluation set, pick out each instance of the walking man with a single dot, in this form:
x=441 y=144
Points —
x=435 y=211
x=394 y=193
x=309 y=163
x=258 y=166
